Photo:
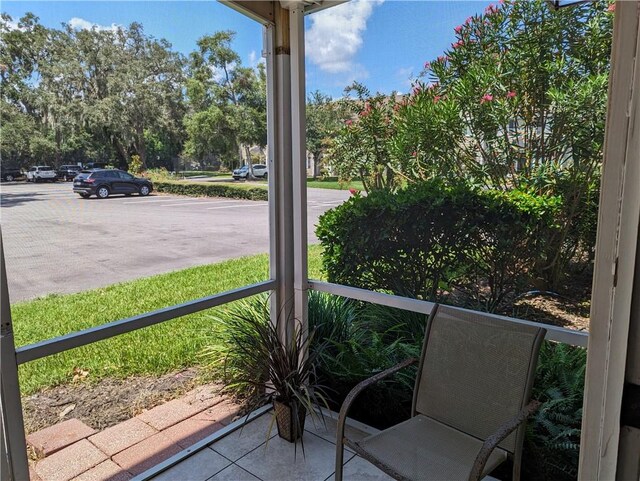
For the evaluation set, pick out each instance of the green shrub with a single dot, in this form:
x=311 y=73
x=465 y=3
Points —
x=406 y=243
x=430 y=238
x=158 y=175
x=506 y=232
x=202 y=189
x=136 y=166
x=552 y=446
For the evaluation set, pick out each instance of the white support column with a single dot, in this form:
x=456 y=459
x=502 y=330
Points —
x=615 y=254
x=13 y=446
x=299 y=168
x=280 y=176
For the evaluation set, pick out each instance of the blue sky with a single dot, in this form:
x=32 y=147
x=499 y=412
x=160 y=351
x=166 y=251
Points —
x=380 y=43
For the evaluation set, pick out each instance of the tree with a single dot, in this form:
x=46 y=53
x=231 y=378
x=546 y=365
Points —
x=324 y=118
x=91 y=94
x=361 y=149
x=226 y=101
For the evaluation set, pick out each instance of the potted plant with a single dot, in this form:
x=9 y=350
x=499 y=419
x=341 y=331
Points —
x=268 y=365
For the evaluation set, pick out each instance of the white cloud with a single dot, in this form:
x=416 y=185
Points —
x=405 y=76
x=13 y=25
x=335 y=35
x=82 y=24
x=254 y=59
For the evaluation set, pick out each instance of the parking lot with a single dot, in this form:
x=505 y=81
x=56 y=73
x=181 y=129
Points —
x=56 y=242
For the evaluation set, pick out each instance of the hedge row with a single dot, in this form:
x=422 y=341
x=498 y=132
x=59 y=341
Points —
x=202 y=189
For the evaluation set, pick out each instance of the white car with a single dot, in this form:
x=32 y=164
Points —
x=259 y=170
x=40 y=173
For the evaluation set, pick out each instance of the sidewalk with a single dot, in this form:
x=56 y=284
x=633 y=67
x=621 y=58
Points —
x=71 y=450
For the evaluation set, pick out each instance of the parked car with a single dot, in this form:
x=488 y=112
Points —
x=104 y=182
x=9 y=173
x=259 y=170
x=95 y=165
x=41 y=173
x=68 y=172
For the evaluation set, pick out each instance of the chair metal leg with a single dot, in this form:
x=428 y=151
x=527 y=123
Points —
x=339 y=458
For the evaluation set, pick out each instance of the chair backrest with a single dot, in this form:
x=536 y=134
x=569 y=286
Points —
x=476 y=371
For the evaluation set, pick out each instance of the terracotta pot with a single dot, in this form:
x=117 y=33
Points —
x=288 y=428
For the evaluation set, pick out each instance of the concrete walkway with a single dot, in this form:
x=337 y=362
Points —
x=71 y=450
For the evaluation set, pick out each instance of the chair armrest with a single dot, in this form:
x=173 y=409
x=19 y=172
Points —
x=500 y=435
x=361 y=386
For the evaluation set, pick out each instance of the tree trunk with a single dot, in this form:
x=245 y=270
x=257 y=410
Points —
x=317 y=157
x=250 y=175
x=141 y=148
x=124 y=155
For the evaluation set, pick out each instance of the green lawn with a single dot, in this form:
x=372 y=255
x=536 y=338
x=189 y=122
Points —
x=254 y=184
x=158 y=349
x=313 y=183
x=334 y=184
x=197 y=173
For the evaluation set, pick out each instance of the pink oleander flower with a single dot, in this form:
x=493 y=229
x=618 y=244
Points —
x=427 y=65
x=441 y=58
x=468 y=20
x=353 y=191
x=491 y=9
x=458 y=29
x=414 y=154
x=612 y=8
x=486 y=98
x=511 y=94
x=416 y=90
x=348 y=122
x=437 y=99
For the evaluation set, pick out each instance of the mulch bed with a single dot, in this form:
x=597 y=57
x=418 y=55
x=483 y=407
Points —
x=105 y=403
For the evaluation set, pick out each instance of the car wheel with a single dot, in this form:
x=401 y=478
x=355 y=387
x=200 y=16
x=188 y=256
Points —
x=265 y=176
x=84 y=196
x=102 y=192
x=145 y=190
x=9 y=178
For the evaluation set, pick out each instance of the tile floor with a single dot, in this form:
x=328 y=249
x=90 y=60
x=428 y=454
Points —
x=253 y=453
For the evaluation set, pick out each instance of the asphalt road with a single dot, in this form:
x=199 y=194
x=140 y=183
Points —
x=56 y=242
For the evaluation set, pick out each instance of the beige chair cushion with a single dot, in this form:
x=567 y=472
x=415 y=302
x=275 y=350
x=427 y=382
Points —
x=424 y=449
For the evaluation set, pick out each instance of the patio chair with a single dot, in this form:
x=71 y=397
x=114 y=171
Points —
x=470 y=402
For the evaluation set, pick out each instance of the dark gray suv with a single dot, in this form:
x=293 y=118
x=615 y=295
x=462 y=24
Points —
x=68 y=172
x=104 y=182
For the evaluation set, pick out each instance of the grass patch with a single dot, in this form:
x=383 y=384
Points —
x=208 y=173
x=332 y=183
x=246 y=185
x=154 y=350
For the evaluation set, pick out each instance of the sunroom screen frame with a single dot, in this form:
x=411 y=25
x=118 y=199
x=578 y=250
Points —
x=284 y=51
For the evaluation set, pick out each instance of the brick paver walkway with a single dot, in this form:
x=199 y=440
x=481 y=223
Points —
x=71 y=450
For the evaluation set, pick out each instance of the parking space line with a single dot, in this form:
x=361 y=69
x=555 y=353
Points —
x=146 y=199
x=255 y=204
x=202 y=202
